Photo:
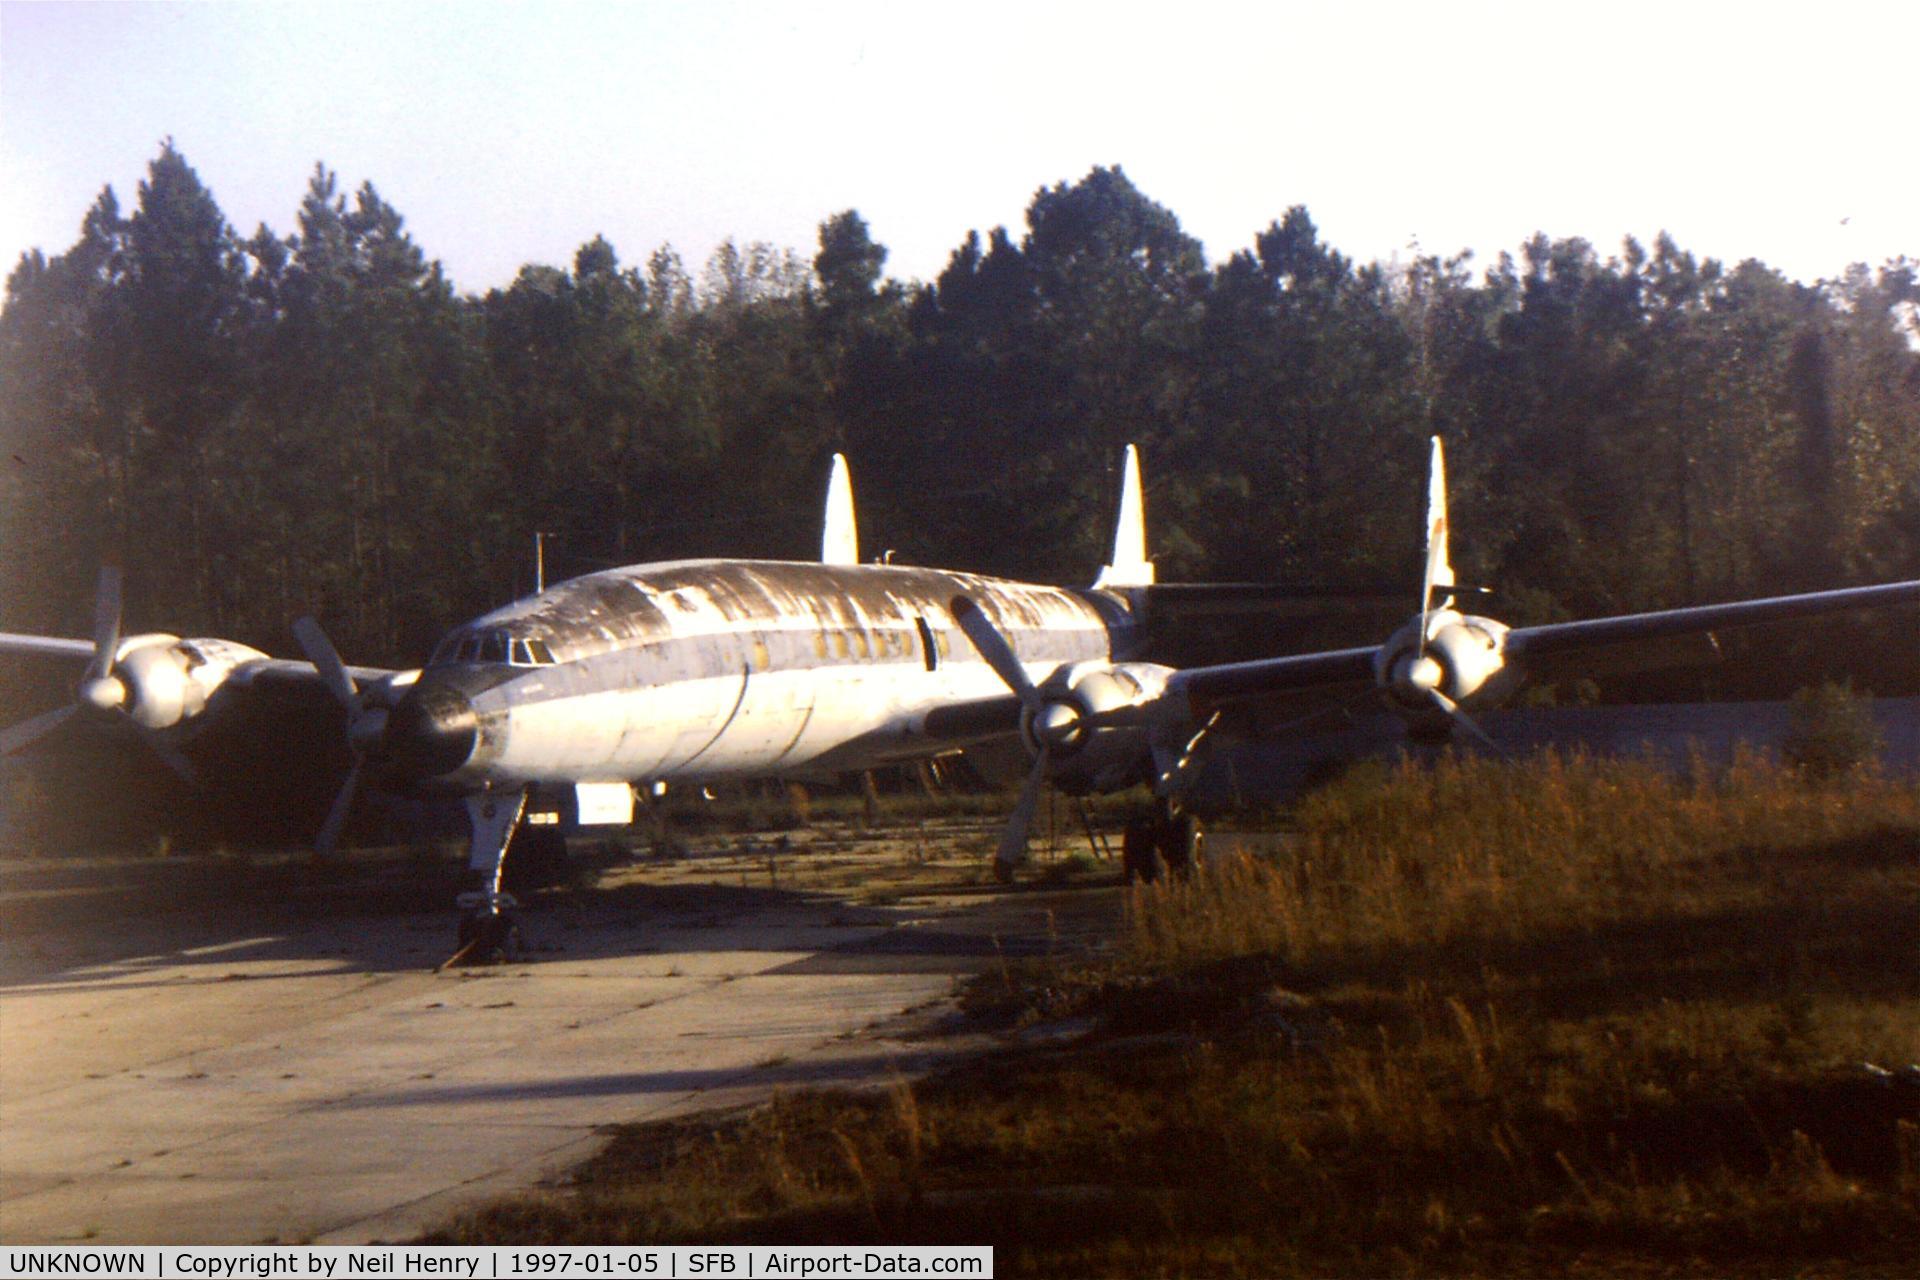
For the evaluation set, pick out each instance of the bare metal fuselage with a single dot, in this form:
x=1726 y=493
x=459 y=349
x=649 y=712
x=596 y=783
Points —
x=709 y=669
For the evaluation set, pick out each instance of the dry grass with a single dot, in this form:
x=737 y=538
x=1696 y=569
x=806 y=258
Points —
x=1570 y=1016
x=1478 y=853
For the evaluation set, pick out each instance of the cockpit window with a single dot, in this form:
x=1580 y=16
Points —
x=492 y=646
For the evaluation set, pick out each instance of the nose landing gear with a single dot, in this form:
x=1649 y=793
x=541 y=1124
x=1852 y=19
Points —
x=489 y=929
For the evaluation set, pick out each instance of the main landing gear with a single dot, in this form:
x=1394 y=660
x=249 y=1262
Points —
x=489 y=929
x=1168 y=841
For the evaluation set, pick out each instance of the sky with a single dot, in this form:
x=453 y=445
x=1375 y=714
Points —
x=510 y=133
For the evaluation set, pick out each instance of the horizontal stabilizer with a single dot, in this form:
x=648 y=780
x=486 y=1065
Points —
x=1174 y=600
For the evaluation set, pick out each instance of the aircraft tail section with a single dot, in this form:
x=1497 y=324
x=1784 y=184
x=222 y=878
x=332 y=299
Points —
x=1130 y=566
x=840 y=540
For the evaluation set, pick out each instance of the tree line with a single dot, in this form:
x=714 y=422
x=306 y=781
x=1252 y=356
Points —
x=317 y=421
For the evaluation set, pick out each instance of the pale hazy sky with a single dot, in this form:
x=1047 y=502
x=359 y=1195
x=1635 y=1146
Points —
x=509 y=133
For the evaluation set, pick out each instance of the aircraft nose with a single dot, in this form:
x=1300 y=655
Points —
x=432 y=731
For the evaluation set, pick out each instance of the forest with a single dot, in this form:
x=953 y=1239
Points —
x=317 y=421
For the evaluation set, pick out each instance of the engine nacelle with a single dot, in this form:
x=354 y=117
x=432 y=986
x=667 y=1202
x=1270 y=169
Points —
x=1093 y=722
x=1463 y=658
x=166 y=679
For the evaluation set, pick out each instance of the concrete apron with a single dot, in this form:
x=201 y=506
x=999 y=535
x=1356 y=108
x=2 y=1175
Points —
x=322 y=1085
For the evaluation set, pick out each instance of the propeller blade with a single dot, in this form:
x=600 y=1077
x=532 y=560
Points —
x=337 y=812
x=170 y=756
x=993 y=647
x=1460 y=717
x=106 y=622
x=326 y=660
x=1439 y=569
x=1013 y=838
x=27 y=732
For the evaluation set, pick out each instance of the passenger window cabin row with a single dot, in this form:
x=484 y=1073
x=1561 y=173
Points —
x=846 y=645
x=498 y=646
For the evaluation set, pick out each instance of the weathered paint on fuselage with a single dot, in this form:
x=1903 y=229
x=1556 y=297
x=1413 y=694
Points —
x=714 y=668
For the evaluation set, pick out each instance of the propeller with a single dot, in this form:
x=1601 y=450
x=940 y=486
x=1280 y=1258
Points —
x=364 y=725
x=1423 y=675
x=1055 y=726
x=100 y=688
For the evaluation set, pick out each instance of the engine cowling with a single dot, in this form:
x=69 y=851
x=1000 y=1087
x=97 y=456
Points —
x=1463 y=658
x=161 y=680
x=1092 y=722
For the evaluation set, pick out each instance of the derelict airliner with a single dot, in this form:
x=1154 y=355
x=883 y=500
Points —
x=700 y=670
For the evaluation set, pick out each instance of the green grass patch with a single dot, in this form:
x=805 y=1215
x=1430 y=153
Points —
x=1564 y=1016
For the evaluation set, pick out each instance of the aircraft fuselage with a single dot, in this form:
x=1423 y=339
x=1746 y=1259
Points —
x=708 y=669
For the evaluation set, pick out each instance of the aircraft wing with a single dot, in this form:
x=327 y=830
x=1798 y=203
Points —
x=45 y=646
x=148 y=678
x=1536 y=644
x=1443 y=657
x=1211 y=687
x=1641 y=641
x=283 y=671
x=962 y=722
x=270 y=670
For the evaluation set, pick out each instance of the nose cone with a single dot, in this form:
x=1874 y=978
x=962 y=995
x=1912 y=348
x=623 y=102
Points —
x=432 y=732
x=1425 y=674
x=103 y=692
x=1057 y=725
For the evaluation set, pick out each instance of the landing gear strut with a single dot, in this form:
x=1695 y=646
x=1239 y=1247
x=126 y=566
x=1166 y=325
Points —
x=1167 y=841
x=489 y=930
